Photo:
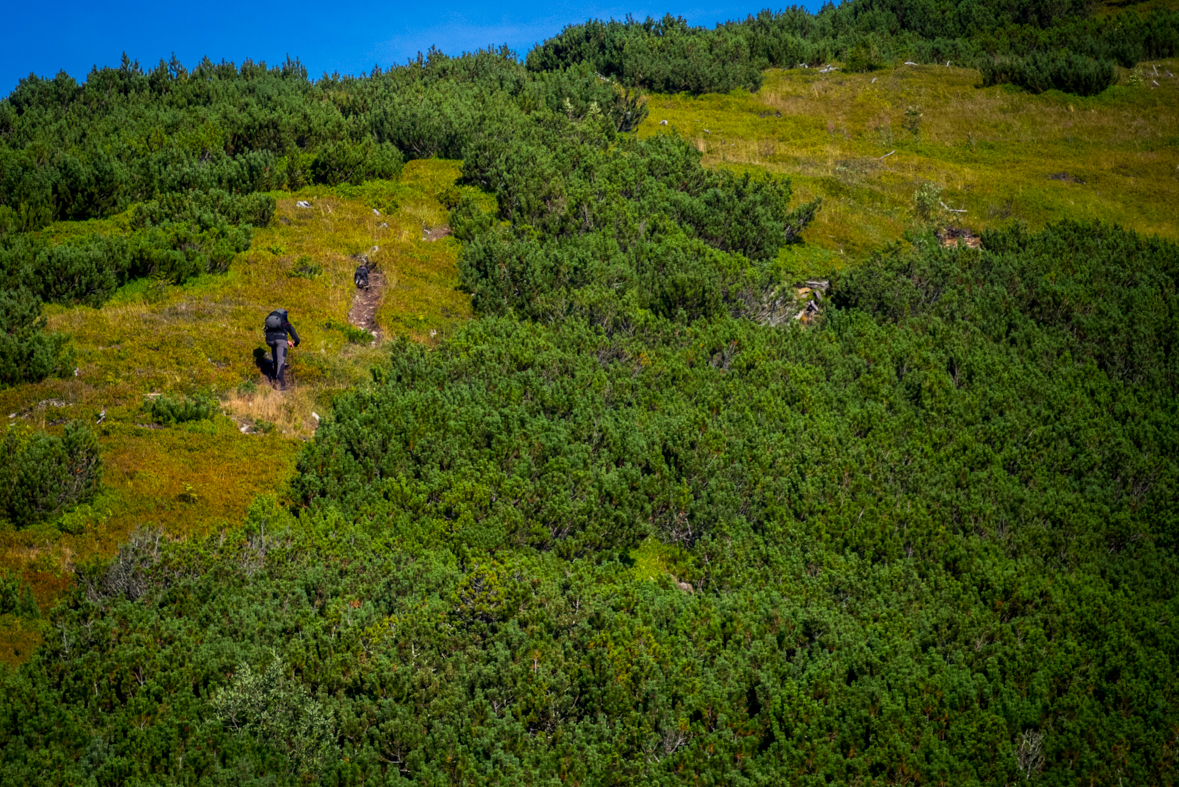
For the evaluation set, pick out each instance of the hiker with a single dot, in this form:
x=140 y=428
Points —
x=361 y=276
x=277 y=328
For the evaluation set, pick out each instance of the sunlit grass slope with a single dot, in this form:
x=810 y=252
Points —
x=202 y=337
x=998 y=153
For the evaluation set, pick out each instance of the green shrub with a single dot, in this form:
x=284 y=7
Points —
x=349 y=162
x=449 y=197
x=1040 y=71
x=27 y=354
x=47 y=474
x=89 y=269
x=16 y=597
x=670 y=236
x=665 y=56
x=263 y=426
x=306 y=269
x=177 y=410
x=206 y=209
x=944 y=511
x=862 y=59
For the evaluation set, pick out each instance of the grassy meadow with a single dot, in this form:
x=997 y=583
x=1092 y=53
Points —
x=866 y=142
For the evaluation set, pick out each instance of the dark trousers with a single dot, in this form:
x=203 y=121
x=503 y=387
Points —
x=278 y=355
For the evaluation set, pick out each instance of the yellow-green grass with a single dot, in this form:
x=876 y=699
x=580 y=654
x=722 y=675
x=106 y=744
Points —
x=18 y=638
x=654 y=561
x=202 y=337
x=994 y=151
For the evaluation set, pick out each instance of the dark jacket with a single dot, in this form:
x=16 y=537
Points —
x=273 y=337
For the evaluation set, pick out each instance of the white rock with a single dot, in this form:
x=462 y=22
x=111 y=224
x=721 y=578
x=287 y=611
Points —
x=315 y=415
x=244 y=428
x=376 y=212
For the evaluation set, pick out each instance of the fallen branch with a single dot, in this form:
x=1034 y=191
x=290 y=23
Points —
x=952 y=210
x=886 y=155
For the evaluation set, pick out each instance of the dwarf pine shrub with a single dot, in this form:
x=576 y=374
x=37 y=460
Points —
x=1040 y=71
x=27 y=354
x=177 y=410
x=16 y=597
x=47 y=474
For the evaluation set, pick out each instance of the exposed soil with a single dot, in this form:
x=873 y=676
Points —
x=363 y=313
x=952 y=237
x=430 y=234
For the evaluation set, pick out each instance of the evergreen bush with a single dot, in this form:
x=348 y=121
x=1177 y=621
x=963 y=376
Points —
x=27 y=354
x=177 y=410
x=1040 y=71
x=16 y=597
x=48 y=474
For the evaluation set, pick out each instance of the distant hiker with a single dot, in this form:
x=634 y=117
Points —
x=361 y=276
x=277 y=328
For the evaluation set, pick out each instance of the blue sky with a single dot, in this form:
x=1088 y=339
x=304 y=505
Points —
x=327 y=35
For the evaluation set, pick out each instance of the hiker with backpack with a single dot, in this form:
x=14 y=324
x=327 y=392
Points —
x=360 y=278
x=277 y=329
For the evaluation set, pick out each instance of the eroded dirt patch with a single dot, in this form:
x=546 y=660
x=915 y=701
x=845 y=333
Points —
x=363 y=313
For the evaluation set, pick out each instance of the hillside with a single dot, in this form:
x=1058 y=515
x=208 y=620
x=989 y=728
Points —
x=675 y=444
x=202 y=337
x=866 y=142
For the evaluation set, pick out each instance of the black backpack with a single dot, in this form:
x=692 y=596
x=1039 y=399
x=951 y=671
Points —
x=275 y=320
x=361 y=277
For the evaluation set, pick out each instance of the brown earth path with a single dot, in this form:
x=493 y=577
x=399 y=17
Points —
x=363 y=313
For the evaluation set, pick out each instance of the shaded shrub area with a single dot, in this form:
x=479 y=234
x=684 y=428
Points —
x=16 y=597
x=664 y=56
x=944 y=513
x=47 y=474
x=1063 y=71
x=206 y=209
x=177 y=410
x=27 y=354
x=127 y=135
x=88 y=269
x=590 y=228
x=340 y=162
x=670 y=56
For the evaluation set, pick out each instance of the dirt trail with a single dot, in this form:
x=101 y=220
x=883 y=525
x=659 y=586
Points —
x=363 y=313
